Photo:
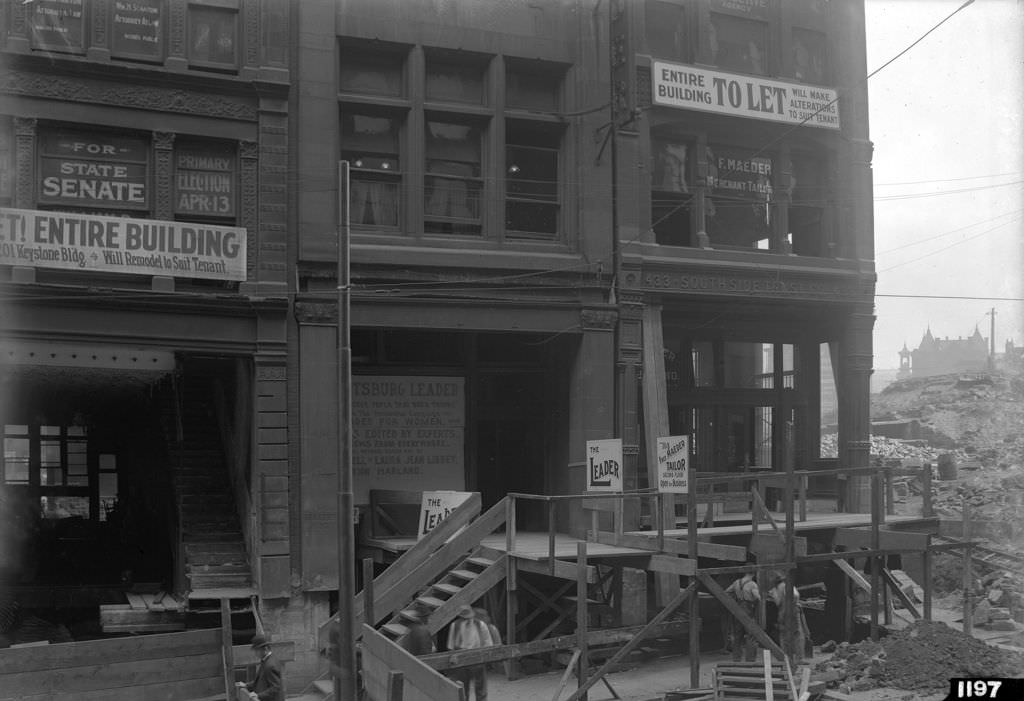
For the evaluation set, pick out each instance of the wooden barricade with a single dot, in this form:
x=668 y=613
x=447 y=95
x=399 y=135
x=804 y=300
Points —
x=414 y=681
x=170 y=667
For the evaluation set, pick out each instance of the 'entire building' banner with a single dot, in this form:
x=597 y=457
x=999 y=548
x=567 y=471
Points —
x=90 y=243
x=753 y=97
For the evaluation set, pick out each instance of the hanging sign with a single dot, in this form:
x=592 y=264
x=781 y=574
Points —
x=121 y=245
x=674 y=464
x=752 y=97
x=604 y=465
x=436 y=507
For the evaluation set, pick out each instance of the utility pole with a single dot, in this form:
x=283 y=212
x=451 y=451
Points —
x=992 y=339
x=345 y=672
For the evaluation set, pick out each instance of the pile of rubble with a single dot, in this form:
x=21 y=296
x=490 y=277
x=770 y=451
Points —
x=886 y=449
x=923 y=656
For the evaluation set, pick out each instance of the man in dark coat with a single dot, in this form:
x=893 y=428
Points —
x=266 y=685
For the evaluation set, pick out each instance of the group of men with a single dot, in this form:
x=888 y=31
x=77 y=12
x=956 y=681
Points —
x=746 y=592
x=471 y=629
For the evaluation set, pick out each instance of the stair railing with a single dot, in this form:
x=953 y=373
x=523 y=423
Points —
x=429 y=558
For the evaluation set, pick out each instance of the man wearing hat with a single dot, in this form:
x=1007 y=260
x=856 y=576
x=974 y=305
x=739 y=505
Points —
x=266 y=685
x=468 y=632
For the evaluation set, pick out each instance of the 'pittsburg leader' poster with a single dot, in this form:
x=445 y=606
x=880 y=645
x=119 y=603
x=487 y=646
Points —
x=407 y=433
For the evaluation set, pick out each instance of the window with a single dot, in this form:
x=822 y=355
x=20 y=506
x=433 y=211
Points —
x=213 y=37
x=810 y=56
x=452 y=183
x=531 y=158
x=107 y=484
x=533 y=85
x=57 y=25
x=807 y=207
x=371 y=73
x=667 y=36
x=16 y=454
x=138 y=30
x=370 y=143
x=738 y=44
x=450 y=81
x=670 y=192
x=739 y=209
x=6 y=163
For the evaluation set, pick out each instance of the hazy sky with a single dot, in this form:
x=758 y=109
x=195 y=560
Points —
x=947 y=121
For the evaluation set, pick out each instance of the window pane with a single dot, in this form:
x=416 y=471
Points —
x=16 y=430
x=16 y=460
x=533 y=87
x=49 y=430
x=108 y=462
x=808 y=194
x=670 y=196
x=452 y=82
x=452 y=183
x=76 y=431
x=748 y=365
x=51 y=476
x=666 y=31
x=371 y=145
x=64 y=507
x=531 y=159
x=738 y=44
x=809 y=56
x=213 y=35
x=738 y=212
x=379 y=74
x=49 y=453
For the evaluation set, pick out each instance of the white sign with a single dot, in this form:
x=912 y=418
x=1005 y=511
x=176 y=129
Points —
x=90 y=243
x=436 y=507
x=674 y=464
x=689 y=88
x=407 y=433
x=604 y=465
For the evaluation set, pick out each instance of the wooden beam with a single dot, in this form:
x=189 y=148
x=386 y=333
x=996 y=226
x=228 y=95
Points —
x=675 y=603
x=559 y=569
x=606 y=636
x=381 y=656
x=672 y=565
x=851 y=538
x=889 y=579
x=854 y=575
x=734 y=608
x=675 y=546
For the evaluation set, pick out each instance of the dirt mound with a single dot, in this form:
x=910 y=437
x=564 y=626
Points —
x=923 y=656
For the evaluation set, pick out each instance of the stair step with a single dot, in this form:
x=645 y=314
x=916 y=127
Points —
x=480 y=561
x=430 y=602
x=218 y=581
x=217 y=568
x=465 y=574
x=395 y=630
x=449 y=589
x=410 y=615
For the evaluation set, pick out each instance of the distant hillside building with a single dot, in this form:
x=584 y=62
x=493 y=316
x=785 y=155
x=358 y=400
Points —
x=935 y=356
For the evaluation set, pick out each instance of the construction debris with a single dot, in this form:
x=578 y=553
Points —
x=923 y=656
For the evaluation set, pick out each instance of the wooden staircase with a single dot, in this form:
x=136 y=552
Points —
x=446 y=569
x=216 y=562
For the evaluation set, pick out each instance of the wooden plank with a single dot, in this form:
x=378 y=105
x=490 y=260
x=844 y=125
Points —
x=480 y=585
x=900 y=594
x=562 y=569
x=676 y=546
x=115 y=675
x=136 y=601
x=672 y=565
x=852 y=538
x=606 y=636
x=610 y=663
x=734 y=608
x=96 y=652
x=854 y=575
x=421 y=682
x=185 y=689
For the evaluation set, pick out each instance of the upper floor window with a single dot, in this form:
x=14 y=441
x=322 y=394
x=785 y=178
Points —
x=452 y=185
x=58 y=25
x=739 y=210
x=213 y=35
x=808 y=192
x=670 y=191
x=370 y=143
x=810 y=56
x=739 y=44
x=6 y=163
x=371 y=72
x=532 y=86
x=531 y=158
x=455 y=81
x=204 y=180
x=95 y=170
x=667 y=31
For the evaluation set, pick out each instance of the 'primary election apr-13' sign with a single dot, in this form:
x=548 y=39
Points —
x=673 y=464
x=753 y=97
x=604 y=465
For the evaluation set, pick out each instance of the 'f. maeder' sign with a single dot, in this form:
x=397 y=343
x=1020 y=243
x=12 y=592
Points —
x=752 y=97
x=674 y=464
x=91 y=243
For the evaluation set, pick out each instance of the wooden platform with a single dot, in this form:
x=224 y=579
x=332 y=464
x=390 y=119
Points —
x=815 y=521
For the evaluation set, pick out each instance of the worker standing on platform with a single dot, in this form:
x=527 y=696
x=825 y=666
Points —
x=747 y=594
